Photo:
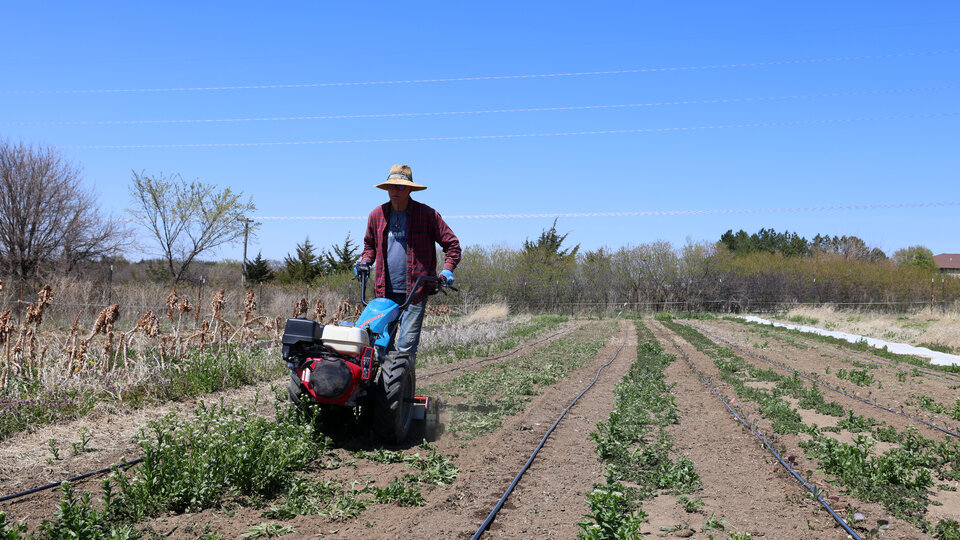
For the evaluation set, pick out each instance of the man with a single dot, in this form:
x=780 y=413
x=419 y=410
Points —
x=400 y=238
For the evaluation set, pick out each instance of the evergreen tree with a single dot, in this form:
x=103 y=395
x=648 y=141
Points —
x=342 y=258
x=305 y=266
x=257 y=270
x=548 y=245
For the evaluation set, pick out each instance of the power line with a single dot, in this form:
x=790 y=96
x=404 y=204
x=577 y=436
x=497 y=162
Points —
x=484 y=111
x=488 y=77
x=513 y=135
x=649 y=213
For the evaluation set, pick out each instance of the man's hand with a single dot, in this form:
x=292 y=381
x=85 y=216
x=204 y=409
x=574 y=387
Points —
x=361 y=267
x=447 y=276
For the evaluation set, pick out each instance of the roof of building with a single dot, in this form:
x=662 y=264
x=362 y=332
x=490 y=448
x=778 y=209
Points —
x=948 y=260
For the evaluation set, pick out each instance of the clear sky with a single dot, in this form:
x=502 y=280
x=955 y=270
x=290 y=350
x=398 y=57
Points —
x=789 y=105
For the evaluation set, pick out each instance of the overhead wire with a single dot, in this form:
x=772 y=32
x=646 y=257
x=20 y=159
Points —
x=651 y=212
x=512 y=135
x=476 y=112
x=487 y=77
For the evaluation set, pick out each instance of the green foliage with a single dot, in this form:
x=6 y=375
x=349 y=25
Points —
x=690 y=505
x=267 y=530
x=859 y=377
x=342 y=258
x=613 y=515
x=636 y=448
x=916 y=256
x=765 y=240
x=503 y=389
x=547 y=248
x=258 y=270
x=192 y=464
x=400 y=493
x=11 y=531
x=899 y=479
x=74 y=518
x=947 y=529
x=303 y=267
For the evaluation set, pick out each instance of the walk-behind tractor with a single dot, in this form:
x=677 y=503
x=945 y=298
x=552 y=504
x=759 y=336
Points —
x=355 y=365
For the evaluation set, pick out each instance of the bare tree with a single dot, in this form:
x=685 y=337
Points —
x=188 y=218
x=46 y=216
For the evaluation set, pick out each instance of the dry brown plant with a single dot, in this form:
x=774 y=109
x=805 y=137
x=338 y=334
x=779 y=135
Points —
x=300 y=308
x=171 y=303
x=248 y=317
x=6 y=327
x=319 y=311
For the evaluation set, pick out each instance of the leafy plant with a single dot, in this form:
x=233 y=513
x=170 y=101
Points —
x=80 y=446
x=267 y=530
x=612 y=515
x=690 y=505
x=401 y=493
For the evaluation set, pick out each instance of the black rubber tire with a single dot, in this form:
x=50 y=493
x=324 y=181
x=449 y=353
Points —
x=393 y=399
x=294 y=389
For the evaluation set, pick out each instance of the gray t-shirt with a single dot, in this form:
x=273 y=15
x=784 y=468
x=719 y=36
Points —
x=397 y=252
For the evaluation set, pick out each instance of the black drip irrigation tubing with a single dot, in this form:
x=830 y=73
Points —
x=837 y=390
x=493 y=513
x=492 y=358
x=872 y=360
x=128 y=464
x=123 y=465
x=769 y=447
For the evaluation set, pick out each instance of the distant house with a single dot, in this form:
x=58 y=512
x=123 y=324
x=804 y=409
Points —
x=949 y=263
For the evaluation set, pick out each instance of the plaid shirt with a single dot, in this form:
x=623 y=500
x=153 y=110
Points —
x=424 y=228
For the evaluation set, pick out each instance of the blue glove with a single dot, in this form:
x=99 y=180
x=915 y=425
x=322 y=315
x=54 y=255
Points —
x=447 y=275
x=362 y=266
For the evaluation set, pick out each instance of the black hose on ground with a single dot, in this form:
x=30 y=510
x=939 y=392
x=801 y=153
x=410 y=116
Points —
x=837 y=390
x=123 y=465
x=493 y=513
x=766 y=444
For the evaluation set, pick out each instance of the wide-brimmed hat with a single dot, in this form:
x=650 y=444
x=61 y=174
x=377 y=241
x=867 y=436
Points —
x=401 y=175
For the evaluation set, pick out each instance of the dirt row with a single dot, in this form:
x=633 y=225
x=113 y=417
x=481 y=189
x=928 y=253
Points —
x=811 y=362
x=742 y=484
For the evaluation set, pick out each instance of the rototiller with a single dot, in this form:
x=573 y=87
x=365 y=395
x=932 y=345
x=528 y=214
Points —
x=349 y=365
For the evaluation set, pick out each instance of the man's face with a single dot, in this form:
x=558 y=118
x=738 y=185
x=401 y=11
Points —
x=399 y=195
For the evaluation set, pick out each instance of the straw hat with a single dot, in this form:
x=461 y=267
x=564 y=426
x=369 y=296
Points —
x=401 y=175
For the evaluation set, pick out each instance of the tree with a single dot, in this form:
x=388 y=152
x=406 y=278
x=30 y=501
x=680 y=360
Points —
x=548 y=245
x=305 y=266
x=188 y=218
x=257 y=270
x=918 y=256
x=46 y=216
x=342 y=258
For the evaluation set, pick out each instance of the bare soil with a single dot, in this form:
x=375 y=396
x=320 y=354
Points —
x=742 y=484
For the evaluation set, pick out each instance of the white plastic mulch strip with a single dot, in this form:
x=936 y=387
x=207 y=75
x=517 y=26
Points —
x=938 y=358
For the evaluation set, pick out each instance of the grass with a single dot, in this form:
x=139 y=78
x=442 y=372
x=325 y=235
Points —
x=29 y=403
x=477 y=338
x=490 y=394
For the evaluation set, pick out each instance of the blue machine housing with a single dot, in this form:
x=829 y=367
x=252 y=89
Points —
x=377 y=316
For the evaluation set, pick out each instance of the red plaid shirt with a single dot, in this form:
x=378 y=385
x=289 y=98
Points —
x=425 y=227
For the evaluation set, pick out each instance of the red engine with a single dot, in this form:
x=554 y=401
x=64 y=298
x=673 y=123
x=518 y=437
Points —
x=335 y=379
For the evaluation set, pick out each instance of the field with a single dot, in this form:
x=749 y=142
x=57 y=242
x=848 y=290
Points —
x=692 y=429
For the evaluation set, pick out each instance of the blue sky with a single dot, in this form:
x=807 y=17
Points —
x=868 y=116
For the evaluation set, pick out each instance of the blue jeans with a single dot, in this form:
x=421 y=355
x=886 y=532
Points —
x=406 y=336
